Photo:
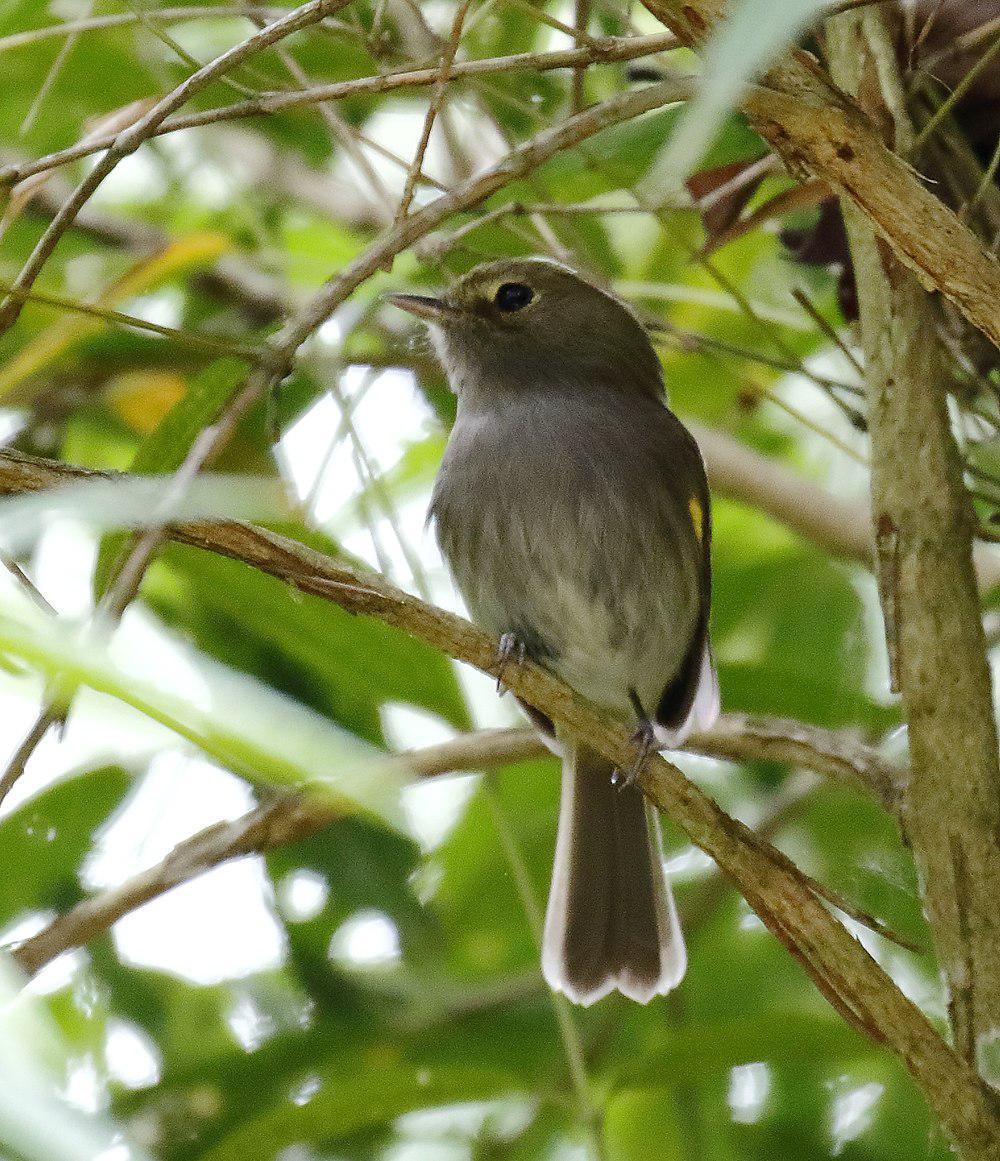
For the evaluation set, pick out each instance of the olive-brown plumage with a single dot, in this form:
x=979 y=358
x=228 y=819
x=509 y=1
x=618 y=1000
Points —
x=573 y=511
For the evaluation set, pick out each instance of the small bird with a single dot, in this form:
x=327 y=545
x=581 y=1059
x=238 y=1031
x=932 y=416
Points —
x=573 y=511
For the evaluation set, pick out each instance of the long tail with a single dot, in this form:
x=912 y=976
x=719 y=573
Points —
x=611 y=920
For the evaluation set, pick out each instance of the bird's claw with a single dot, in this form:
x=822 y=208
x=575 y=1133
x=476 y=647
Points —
x=644 y=739
x=511 y=650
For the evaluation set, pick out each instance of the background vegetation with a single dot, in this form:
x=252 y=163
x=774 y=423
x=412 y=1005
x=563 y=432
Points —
x=359 y=978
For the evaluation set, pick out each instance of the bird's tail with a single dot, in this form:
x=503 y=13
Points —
x=611 y=920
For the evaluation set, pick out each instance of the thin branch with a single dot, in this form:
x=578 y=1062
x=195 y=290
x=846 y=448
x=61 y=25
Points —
x=581 y=21
x=434 y=107
x=956 y=94
x=117 y=19
x=129 y=140
x=610 y=50
x=214 y=346
x=293 y=817
x=339 y=129
x=48 y=716
x=565 y=1018
x=272 y=824
x=837 y=754
x=253 y=292
x=34 y=592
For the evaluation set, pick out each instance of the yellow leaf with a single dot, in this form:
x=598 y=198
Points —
x=142 y=398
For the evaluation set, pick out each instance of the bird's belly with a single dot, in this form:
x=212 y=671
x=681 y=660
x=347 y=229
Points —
x=606 y=626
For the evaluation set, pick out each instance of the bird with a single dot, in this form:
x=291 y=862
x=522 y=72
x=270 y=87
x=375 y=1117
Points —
x=572 y=509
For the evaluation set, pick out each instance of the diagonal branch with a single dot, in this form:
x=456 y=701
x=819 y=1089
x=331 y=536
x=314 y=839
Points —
x=292 y=817
x=129 y=140
x=836 y=754
x=445 y=73
x=271 y=824
x=839 y=965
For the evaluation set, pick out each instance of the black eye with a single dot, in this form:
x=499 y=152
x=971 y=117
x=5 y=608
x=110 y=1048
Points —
x=513 y=296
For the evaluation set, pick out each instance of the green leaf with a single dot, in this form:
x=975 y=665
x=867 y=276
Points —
x=347 y=1104
x=343 y=666
x=248 y=727
x=34 y=1120
x=643 y=1125
x=48 y=837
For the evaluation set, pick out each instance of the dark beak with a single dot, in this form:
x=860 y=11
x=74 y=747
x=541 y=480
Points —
x=432 y=309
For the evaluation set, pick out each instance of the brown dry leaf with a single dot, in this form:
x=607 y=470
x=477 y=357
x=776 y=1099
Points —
x=799 y=197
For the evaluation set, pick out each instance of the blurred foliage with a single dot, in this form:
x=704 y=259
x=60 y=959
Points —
x=445 y=1044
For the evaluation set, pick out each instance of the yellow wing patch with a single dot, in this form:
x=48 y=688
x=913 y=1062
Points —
x=697 y=518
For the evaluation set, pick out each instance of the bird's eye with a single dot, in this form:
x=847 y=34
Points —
x=513 y=296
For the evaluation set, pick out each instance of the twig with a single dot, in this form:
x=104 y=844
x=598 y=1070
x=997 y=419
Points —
x=129 y=140
x=956 y=94
x=339 y=129
x=115 y=20
x=106 y=314
x=836 y=754
x=433 y=108
x=48 y=715
x=581 y=21
x=807 y=304
x=611 y=50
x=29 y=586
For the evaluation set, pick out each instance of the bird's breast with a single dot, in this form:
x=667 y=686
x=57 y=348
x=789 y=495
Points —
x=561 y=526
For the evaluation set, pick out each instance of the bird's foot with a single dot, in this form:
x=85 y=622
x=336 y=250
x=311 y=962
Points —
x=644 y=739
x=512 y=649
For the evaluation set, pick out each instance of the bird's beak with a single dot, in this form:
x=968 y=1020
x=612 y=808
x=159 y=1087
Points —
x=432 y=309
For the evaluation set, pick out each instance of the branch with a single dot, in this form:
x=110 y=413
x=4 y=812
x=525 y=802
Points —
x=129 y=140
x=837 y=754
x=821 y=132
x=610 y=50
x=271 y=824
x=293 y=817
x=839 y=965
x=931 y=608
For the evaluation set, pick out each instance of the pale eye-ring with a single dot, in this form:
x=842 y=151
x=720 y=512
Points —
x=511 y=296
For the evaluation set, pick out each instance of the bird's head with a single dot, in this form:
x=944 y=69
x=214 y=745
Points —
x=528 y=324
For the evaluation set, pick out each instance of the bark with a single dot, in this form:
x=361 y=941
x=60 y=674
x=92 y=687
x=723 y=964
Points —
x=924 y=526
